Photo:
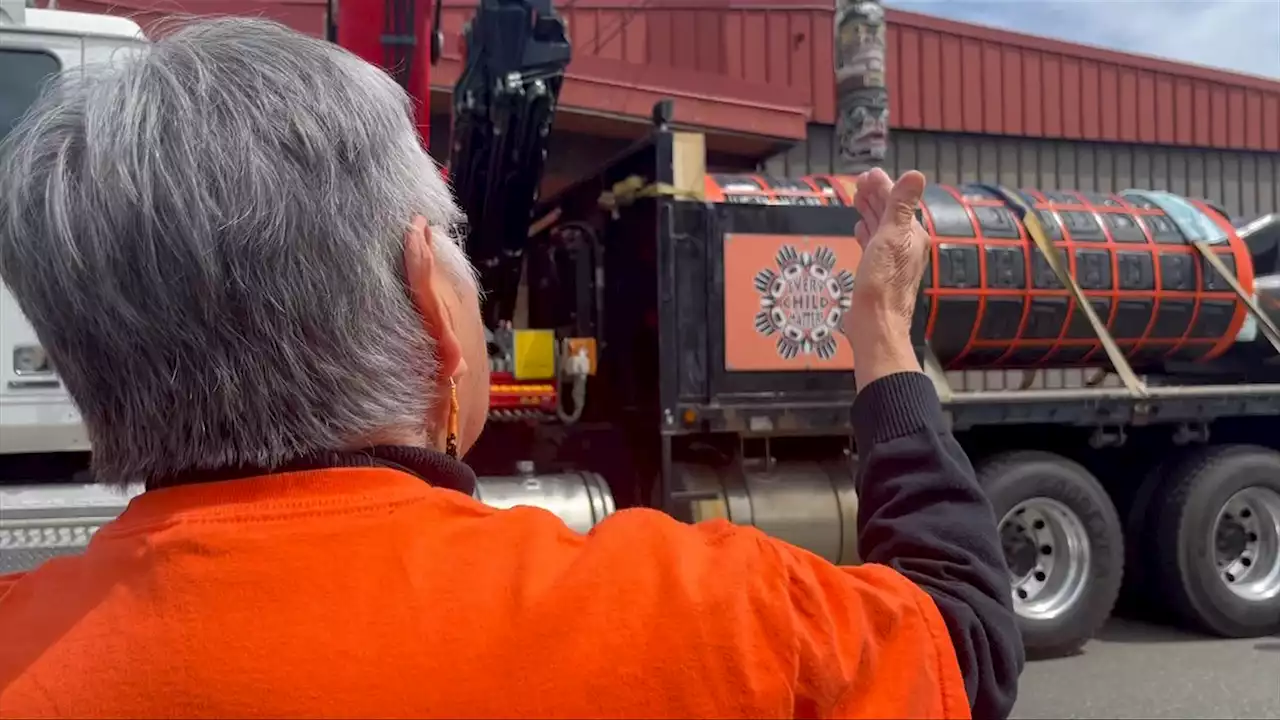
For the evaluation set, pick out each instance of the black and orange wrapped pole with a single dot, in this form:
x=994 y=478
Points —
x=862 y=99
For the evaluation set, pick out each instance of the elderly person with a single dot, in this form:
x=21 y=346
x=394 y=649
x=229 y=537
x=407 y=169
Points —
x=236 y=252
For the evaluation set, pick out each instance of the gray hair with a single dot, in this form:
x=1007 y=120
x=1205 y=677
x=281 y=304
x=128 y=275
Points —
x=208 y=240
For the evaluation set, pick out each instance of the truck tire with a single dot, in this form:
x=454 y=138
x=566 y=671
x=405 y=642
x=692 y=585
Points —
x=1216 y=528
x=1063 y=544
x=1140 y=597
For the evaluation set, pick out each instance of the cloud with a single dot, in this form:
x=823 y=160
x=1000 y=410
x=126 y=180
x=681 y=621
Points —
x=1240 y=35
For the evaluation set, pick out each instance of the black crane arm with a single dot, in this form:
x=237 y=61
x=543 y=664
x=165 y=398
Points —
x=503 y=105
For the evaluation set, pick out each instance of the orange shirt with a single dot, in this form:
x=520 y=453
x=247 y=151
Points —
x=365 y=592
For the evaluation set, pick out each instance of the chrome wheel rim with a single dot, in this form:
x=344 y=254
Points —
x=1047 y=549
x=1246 y=543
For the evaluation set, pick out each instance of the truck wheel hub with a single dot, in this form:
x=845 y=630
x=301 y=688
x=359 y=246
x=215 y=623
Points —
x=1047 y=549
x=1246 y=540
x=1019 y=549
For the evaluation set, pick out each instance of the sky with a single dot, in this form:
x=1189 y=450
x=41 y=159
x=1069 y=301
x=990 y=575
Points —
x=1240 y=35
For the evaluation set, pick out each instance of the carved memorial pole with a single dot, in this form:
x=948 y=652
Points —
x=862 y=100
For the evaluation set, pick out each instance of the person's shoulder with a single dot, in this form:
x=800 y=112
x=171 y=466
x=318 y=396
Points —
x=635 y=555
x=647 y=533
x=696 y=562
x=658 y=532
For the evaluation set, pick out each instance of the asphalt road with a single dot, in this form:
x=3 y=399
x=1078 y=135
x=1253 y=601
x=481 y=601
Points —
x=1133 y=670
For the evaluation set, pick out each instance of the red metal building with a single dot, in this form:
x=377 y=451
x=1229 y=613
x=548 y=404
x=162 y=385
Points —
x=957 y=78
x=965 y=101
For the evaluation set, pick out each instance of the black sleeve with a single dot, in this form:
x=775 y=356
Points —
x=921 y=512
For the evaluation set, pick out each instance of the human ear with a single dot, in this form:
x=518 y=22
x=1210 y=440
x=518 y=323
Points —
x=433 y=297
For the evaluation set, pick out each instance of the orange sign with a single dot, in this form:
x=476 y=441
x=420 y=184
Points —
x=784 y=301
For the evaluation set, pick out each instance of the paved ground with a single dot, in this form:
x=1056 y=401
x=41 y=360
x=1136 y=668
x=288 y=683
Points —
x=1134 y=670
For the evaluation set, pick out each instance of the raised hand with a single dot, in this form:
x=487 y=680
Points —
x=894 y=248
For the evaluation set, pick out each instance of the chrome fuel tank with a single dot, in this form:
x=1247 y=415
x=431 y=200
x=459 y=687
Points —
x=808 y=504
x=579 y=499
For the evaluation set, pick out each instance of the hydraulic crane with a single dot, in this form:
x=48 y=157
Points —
x=516 y=53
x=503 y=105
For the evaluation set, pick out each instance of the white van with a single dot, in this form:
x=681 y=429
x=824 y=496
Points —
x=42 y=438
x=36 y=416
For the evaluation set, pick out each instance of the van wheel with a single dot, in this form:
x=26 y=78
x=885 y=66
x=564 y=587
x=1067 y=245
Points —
x=1063 y=545
x=1217 y=532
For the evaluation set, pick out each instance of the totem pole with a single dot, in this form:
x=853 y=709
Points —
x=862 y=100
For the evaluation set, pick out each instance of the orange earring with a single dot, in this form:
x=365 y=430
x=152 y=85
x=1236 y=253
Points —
x=451 y=441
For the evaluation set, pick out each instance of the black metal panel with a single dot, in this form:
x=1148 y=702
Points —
x=1080 y=328
x=1082 y=225
x=1213 y=319
x=949 y=216
x=1137 y=271
x=1048 y=314
x=996 y=222
x=1049 y=222
x=1000 y=321
x=1177 y=272
x=1213 y=280
x=1042 y=275
x=1093 y=269
x=1173 y=318
x=959 y=266
x=954 y=323
x=1006 y=267
x=1124 y=228
x=1131 y=318
x=1163 y=231
x=691 y=319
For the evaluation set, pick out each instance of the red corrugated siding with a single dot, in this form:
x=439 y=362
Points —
x=765 y=51
x=946 y=76
x=750 y=66
x=785 y=44
x=723 y=59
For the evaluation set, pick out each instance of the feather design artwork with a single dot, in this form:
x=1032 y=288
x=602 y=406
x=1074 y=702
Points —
x=802 y=302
